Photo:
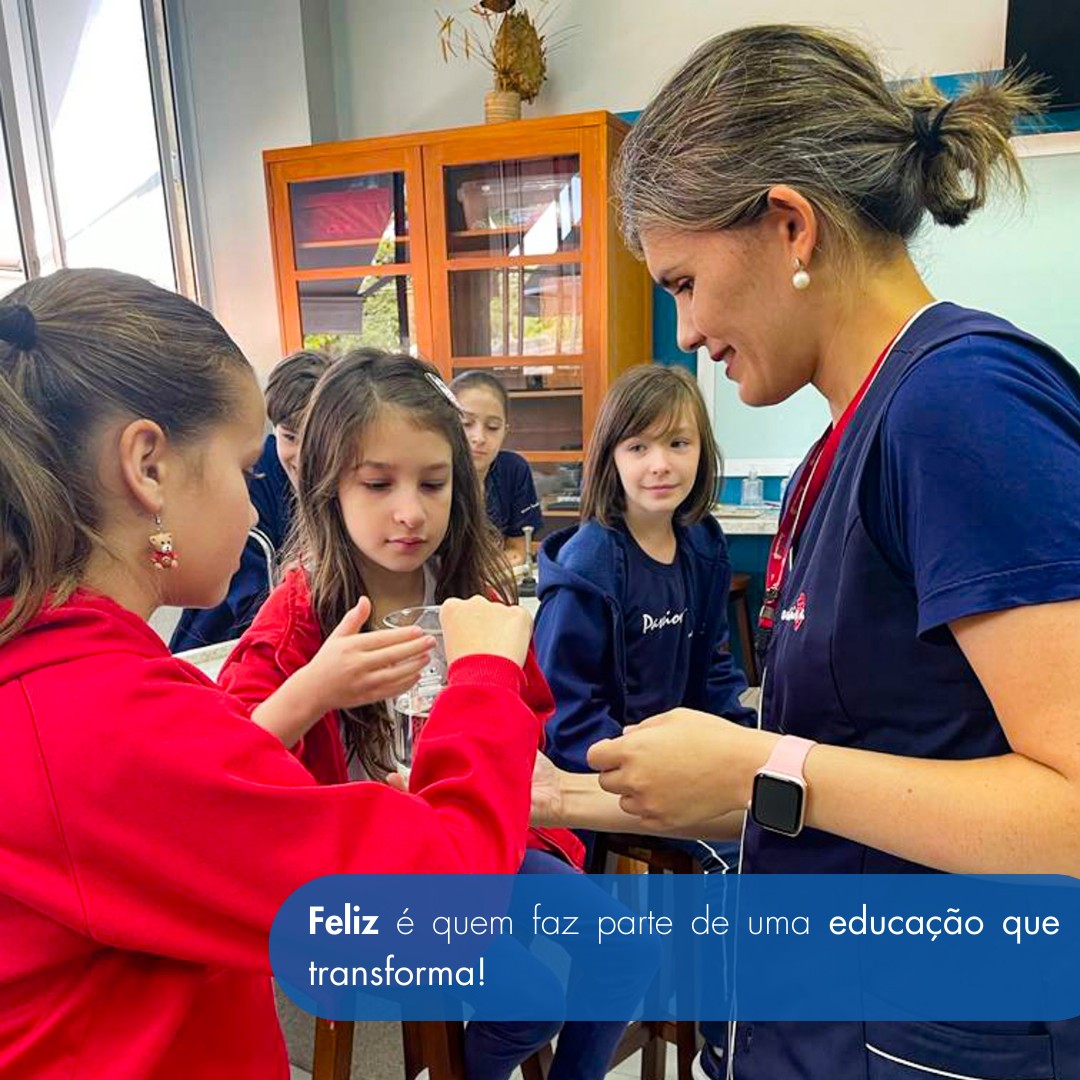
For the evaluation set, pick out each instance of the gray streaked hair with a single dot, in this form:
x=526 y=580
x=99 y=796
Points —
x=794 y=105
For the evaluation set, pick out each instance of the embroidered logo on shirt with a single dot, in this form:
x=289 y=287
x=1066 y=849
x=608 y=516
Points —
x=796 y=613
x=652 y=622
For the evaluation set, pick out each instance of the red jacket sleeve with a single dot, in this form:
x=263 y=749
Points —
x=282 y=638
x=155 y=816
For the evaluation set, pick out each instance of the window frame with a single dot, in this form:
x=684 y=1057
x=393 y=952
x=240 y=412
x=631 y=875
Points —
x=29 y=149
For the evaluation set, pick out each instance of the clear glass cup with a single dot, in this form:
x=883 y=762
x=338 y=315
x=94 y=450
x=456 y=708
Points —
x=409 y=711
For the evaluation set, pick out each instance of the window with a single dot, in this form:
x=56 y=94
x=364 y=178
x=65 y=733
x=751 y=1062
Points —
x=88 y=99
x=12 y=272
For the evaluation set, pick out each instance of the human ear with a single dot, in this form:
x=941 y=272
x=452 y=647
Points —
x=144 y=461
x=796 y=221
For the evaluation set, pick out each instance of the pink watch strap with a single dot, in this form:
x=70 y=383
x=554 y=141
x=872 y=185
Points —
x=788 y=756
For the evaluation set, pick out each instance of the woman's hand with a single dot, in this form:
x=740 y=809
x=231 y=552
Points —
x=479 y=626
x=681 y=768
x=356 y=667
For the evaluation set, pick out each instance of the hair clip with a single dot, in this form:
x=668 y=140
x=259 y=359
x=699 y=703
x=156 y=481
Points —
x=445 y=391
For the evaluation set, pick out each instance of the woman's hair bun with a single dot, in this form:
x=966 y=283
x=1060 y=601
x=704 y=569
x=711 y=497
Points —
x=18 y=326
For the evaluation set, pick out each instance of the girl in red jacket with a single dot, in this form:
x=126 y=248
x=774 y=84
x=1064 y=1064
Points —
x=390 y=516
x=150 y=830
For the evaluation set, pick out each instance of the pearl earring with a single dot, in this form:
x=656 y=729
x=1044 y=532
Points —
x=801 y=278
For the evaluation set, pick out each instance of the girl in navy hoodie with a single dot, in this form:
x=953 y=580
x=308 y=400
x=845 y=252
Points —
x=390 y=517
x=633 y=602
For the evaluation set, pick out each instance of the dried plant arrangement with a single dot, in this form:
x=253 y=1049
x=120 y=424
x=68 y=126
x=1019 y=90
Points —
x=512 y=43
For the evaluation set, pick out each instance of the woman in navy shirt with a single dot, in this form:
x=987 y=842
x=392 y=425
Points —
x=921 y=670
x=508 y=484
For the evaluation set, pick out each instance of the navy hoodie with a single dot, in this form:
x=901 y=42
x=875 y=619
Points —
x=580 y=634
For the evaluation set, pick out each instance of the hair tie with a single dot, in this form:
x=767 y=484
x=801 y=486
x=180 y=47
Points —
x=928 y=132
x=18 y=326
x=445 y=391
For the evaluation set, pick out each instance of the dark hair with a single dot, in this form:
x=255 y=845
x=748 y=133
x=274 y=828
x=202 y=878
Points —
x=290 y=386
x=346 y=402
x=640 y=399
x=84 y=347
x=482 y=380
x=767 y=105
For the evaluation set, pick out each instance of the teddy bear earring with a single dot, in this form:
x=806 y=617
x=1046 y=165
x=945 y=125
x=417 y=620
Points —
x=162 y=555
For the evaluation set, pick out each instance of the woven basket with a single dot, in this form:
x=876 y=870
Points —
x=501 y=105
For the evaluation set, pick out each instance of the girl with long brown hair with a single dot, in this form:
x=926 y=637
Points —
x=390 y=516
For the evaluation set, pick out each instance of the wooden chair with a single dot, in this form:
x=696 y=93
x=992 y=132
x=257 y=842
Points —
x=435 y=1045
x=650 y=1036
x=739 y=599
x=332 y=1059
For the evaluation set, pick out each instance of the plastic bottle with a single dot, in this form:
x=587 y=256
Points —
x=752 y=490
x=784 y=485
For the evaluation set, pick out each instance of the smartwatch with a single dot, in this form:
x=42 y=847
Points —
x=778 y=802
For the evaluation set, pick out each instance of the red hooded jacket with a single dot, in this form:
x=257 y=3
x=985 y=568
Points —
x=150 y=831
x=286 y=635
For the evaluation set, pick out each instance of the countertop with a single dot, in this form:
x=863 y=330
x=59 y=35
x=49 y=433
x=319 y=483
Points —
x=747 y=521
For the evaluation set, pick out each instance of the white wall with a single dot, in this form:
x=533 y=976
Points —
x=243 y=88
x=390 y=76
x=1013 y=258
x=1018 y=259
x=614 y=54
x=319 y=69
x=256 y=78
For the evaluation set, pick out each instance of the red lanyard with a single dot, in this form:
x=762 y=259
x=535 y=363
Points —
x=812 y=479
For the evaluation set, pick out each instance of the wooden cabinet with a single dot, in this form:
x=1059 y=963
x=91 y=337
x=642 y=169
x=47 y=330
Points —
x=490 y=247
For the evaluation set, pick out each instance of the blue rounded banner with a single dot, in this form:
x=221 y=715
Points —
x=619 y=947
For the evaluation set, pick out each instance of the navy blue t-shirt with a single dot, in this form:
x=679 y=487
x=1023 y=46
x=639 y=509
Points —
x=658 y=625
x=955 y=492
x=511 y=495
x=978 y=502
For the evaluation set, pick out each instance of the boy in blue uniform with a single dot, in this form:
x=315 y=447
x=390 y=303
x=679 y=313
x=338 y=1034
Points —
x=271 y=486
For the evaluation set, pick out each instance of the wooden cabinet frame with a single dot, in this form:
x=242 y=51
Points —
x=616 y=297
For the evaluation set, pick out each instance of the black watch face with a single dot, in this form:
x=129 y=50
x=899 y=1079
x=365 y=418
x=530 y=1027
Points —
x=777 y=804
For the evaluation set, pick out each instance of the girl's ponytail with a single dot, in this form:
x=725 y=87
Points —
x=41 y=547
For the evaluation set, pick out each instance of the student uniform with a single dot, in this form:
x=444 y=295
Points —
x=136 y=896
x=284 y=638
x=622 y=637
x=511 y=495
x=955 y=491
x=272 y=495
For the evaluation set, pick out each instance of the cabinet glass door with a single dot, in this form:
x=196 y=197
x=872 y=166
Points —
x=516 y=311
x=338 y=314
x=349 y=221
x=524 y=207
x=545 y=405
x=511 y=269
x=350 y=248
